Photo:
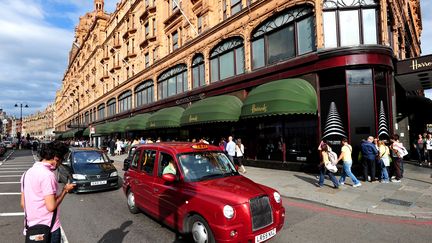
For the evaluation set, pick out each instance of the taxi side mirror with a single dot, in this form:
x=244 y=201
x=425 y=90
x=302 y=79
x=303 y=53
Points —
x=169 y=177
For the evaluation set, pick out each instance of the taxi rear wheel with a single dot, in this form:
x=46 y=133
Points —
x=200 y=230
x=131 y=202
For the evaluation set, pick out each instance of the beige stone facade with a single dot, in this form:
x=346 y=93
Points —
x=114 y=53
x=41 y=124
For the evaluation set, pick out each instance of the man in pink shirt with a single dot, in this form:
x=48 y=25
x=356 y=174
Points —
x=39 y=189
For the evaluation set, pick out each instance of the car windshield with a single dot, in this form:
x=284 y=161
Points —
x=93 y=157
x=200 y=166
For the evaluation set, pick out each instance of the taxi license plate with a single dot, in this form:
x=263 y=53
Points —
x=265 y=236
x=96 y=183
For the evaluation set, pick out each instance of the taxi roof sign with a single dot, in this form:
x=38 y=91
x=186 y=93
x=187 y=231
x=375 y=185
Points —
x=200 y=146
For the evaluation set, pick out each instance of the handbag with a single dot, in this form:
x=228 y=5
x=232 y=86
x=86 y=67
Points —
x=331 y=167
x=39 y=233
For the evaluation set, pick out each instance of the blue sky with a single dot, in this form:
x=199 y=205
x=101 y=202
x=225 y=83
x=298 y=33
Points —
x=35 y=39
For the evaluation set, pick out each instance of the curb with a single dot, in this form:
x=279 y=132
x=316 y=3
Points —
x=416 y=215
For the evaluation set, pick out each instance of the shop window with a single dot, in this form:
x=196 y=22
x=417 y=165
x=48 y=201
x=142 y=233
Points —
x=350 y=24
x=125 y=101
x=144 y=93
x=198 y=71
x=286 y=35
x=227 y=59
x=101 y=111
x=173 y=81
x=111 y=105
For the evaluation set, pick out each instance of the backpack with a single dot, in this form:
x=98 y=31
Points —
x=332 y=157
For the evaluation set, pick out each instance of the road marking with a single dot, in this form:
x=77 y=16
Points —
x=63 y=235
x=11 y=214
x=10 y=182
x=2 y=176
x=9 y=193
x=12 y=171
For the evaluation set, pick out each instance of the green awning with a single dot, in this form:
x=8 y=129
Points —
x=58 y=135
x=118 y=126
x=282 y=97
x=223 y=108
x=165 y=118
x=101 y=129
x=138 y=122
x=86 y=132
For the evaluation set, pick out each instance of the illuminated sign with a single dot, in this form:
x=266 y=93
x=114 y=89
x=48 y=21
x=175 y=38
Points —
x=200 y=146
x=256 y=109
x=419 y=65
x=193 y=118
x=152 y=124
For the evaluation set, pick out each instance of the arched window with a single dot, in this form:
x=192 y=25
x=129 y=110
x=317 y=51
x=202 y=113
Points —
x=86 y=118
x=227 y=59
x=101 y=111
x=144 y=93
x=198 y=71
x=125 y=101
x=348 y=23
x=111 y=105
x=173 y=81
x=283 y=36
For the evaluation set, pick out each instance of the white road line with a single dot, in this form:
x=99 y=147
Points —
x=9 y=182
x=63 y=235
x=12 y=171
x=9 y=193
x=2 y=176
x=11 y=214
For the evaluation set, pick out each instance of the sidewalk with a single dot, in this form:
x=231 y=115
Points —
x=410 y=198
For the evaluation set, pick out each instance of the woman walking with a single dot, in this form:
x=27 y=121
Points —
x=322 y=169
x=345 y=156
x=239 y=152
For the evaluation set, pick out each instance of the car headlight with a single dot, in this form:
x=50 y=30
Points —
x=115 y=173
x=228 y=211
x=277 y=197
x=78 y=177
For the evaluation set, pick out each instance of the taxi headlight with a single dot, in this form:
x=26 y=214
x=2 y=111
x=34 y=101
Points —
x=115 y=173
x=78 y=177
x=277 y=197
x=228 y=211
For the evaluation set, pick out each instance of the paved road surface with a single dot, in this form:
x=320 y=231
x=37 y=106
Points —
x=104 y=217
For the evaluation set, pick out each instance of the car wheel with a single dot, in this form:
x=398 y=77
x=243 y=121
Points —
x=200 y=230
x=131 y=202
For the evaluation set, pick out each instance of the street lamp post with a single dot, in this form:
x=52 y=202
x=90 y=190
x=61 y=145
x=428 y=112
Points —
x=21 y=123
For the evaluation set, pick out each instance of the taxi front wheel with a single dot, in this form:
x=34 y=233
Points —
x=200 y=230
x=131 y=202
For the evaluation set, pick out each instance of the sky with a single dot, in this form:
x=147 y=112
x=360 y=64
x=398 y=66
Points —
x=35 y=39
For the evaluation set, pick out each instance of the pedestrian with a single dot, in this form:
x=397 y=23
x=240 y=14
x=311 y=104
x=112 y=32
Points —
x=384 y=159
x=346 y=157
x=369 y=154
x=111 y=145
x=40 y=197
x=398 y=152
x=239 y=153
x=419 y=146
x=428 y=153
x=222 y=144
x=230 y=148
x=324 y=159
x=118 y=147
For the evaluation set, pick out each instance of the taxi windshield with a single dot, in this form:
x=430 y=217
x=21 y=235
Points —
x=199 y=166
x=89 y=157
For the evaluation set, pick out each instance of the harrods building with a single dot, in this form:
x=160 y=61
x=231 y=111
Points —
x=279 y=74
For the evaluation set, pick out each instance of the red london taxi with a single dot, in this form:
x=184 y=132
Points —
x=196 y=189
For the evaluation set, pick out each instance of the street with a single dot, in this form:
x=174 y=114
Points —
x=104 y=217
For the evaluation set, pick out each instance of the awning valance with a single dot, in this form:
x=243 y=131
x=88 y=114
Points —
x=223 y=108
x=165 y=118
x=138 y=122
x=118 y=126
x=282 y=97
